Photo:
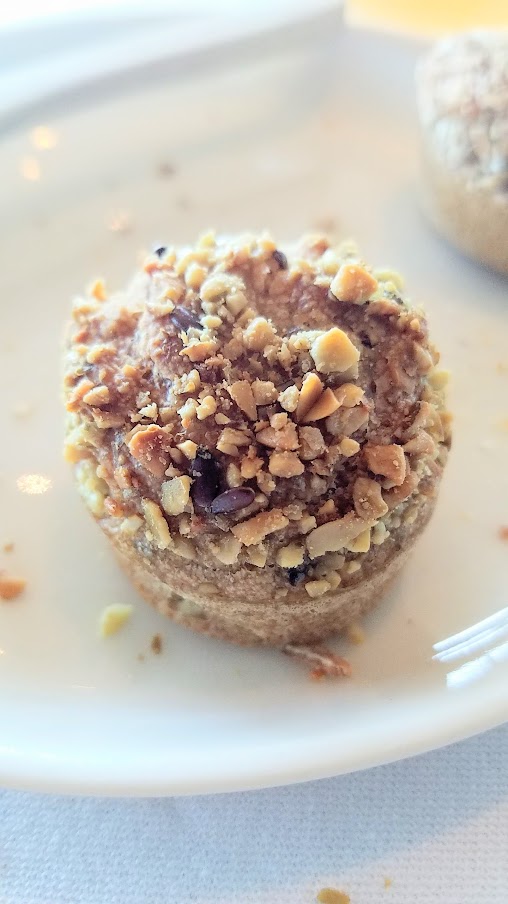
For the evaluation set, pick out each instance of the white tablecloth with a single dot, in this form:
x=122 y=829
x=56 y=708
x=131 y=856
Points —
x=437 y=826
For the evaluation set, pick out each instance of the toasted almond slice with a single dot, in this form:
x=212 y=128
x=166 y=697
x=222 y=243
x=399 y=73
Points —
x=325 y=405
x=312 y=388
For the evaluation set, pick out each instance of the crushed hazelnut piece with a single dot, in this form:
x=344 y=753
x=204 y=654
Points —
x=312 y=443
x=264 y=392
x=260 y=526
x=389 y=461
x=189 y=449
x=221 y=419
x=241 y=393
x=206 y=407
x=285 y=440
x=10 y=587
x=353 y=283
x=324 y=407
x=150 y=447
x=317 y=588
x=333 y=352
x=290 y=556
x=200 y=350
x=368 y=500
x=175 y=495
x=348 y=447
x=333 y=535
x=312 y=388
x=285 y=464
x=183 y=548
x=250 y=467
x=233 y=476
x=332 y=896
x=113 y=618
x=349 y=395
x=156 y=523
x=361 y=543
x=259 y=334
x=288 y=399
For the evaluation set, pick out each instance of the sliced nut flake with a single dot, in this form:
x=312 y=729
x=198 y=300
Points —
x=285 y=464
x=260 y=526
x=97 y=396
x=310 y=392
x=361 y=543
x=290 y=556
x=333 y=352
x=156 y=523
x=241 y=393
x=175 y=495
x=231 y=437
x=389 y=461
x=324 y=407
x=333 y=536
x=257 y=555
x=227 y=551
x=368 y=500
x=353 y=283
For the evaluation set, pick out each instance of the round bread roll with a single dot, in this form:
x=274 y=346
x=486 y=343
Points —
x=260 y=433
x=463 y=105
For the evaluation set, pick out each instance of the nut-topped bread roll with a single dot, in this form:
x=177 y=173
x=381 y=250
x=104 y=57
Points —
x=260 y=433
x=463 y=104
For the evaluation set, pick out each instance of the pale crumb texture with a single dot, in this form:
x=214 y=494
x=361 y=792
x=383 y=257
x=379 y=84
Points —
x=241 y=414
x=332 y=896
x=113 y=618
x=11 y=586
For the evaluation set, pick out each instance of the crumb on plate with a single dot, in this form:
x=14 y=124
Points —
x=113 y=618
x=332 y=896
x=355 y=634
x=387 y=882
x=503 y=532
x=322 y=661
x=156 y=644
x=10 y=586
x=8 y=547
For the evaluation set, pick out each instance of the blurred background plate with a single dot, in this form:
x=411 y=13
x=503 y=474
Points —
x=308 y=127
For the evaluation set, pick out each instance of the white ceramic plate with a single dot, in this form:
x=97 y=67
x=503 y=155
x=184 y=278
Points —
x=276 y=136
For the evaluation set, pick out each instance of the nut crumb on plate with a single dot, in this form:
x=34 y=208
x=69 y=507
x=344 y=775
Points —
x=11 y=586
x=113 y=618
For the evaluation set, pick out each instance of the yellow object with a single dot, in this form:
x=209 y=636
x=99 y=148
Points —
x=427 y=17
x=113 y=618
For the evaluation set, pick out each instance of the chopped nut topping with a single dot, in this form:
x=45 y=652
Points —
x=264 y=392
x=228 y=550
x=290 y=556
x=285 y=440
x=156 y=523
x=289 y=398
x=312 y=443
x=285 y=464
x=260 y=526
x=361 y=543
x=97 y=396
x=353 y=283
x=334 y=535
x=368 y=500
x=259 y=334
x=175 y=495
x=150 y=447
x=387 y=460
x=98 y=290
x=310 y=392
x=241 y=393
x=348 y=447
x=333 y=352
x=317 y=588
x=188 y=448
x=200 y=350
x=324 y=407
x=206 y=407
x=257 y=555
x=349 y=395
